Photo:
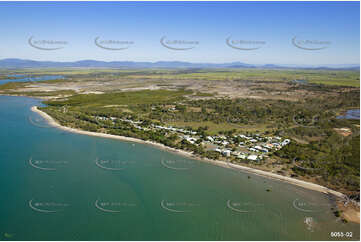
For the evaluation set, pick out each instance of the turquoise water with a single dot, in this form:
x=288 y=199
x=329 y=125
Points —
x=62 y=186
x=30 y=79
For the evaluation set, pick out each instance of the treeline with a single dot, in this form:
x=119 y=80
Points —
x=316 y=150
x=335 y=158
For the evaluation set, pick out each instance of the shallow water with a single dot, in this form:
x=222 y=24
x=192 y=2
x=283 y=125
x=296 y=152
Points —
x=351 y=114
x=30 y=79
x=300 y=81
x=62 y=186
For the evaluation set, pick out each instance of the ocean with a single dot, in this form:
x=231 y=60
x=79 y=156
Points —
x=57 y=185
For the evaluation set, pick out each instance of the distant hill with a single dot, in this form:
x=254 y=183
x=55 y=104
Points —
x=20 y=63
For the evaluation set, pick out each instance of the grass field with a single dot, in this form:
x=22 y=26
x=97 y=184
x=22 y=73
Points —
x=123 y=98
x=326 y=77
x=329 y=77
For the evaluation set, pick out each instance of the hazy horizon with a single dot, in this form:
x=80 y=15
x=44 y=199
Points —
x=287 y=33
x=192 y=62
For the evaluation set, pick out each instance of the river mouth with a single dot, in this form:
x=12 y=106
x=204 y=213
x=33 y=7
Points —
x=92 y=186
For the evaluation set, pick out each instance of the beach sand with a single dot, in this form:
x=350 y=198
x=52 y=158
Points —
x=290 y=180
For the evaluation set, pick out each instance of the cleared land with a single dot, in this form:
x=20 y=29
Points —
x=253 y=83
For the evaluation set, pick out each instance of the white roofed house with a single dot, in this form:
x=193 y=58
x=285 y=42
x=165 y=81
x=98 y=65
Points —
x=218 y=150
x=210 y=138
x=225 y=142
x=191 y=140
x=226 y=153
x=241 y=156
x=265 y=150
x=252 y=157
x=236 y=153
x=285 y=142
x=261 y=149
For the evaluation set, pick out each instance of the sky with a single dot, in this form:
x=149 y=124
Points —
x=288 y=33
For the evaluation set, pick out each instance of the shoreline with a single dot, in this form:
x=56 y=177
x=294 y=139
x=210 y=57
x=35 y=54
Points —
x=304 y=184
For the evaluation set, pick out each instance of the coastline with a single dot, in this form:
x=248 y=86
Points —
x=304 y=184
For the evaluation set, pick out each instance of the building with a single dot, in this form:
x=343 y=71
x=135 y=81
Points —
x=226 y=153
x=252 y=157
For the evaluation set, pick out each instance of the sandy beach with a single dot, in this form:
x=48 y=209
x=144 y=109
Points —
x=290 y=180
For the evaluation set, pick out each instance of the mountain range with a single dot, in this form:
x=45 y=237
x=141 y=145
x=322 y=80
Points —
x=21 y=63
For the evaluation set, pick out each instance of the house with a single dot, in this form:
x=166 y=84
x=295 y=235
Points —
x=226 y=153
x=241 y=156
x=252 y=157
x=236 y=153
x=218 y=150
x=225 y=143
x=191 y=140
x=210 y=138
x=285 y=142
x=265 y=150
x=261 y=149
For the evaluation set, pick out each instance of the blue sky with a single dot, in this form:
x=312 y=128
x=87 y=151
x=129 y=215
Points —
x=208 y=23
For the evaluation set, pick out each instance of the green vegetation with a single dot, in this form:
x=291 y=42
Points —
x=317 y=150
x=323 y=149
x=50 y=93
x=325 y=77
x=12 y=85
x=123 y=98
